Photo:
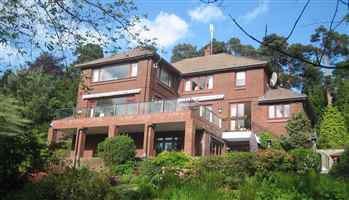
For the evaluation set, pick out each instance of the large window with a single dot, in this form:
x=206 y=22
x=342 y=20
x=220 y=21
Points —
x=199 y=83
x=115 y=72
x=166 y=77
x=169 y=143
x=240 y=79
x=240 y=114
x=279 y=111
x=114 y=107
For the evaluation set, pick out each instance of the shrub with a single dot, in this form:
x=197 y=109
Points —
x=333 y=130
x=299 y=132
x=166 y=167
x=116 y=150
x=305 y=160
x=72 y=184
x=272 y=160
x=341 y=169
x=264 y=137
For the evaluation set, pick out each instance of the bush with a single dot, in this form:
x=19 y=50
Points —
x=165 y=168
x=305 y=160
x=298 y=132
x=272 y=160
x=333 y=130
x=341 y=169
x=117 y=150
x=264 y=137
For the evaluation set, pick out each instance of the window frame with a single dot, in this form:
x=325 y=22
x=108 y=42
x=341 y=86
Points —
x=236 y=79
x=132 y=68
x=285 y=112
x=208 y=82
x=246 y=116
x=172 y=80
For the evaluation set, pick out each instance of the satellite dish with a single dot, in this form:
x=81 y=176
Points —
x=274 y=79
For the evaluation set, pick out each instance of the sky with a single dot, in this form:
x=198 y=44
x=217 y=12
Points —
x=187 y=21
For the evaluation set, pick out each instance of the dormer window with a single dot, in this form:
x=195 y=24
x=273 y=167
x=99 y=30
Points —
x=115 y=72
x=199 y=83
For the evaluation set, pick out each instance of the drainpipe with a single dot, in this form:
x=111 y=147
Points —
x=77 y=137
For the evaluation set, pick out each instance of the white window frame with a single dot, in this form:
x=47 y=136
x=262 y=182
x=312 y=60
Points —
x=240 y=79
x=279 y=111
x=187 y=86
x=134 y=69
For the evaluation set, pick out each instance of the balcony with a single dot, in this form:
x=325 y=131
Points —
x=141 y=108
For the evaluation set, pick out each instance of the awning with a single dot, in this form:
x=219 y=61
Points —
x=202 y=98
x=108 y=94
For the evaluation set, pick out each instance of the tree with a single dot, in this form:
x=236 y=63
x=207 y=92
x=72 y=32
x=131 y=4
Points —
x=333 y=131
x=235 y=47
x=64 y=24
x=11 y=120
x=88 y=52
x=217 y=47
x=299 y=132
x=182 y=51
x=47 y=63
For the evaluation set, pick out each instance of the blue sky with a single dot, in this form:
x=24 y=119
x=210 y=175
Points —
x=187 y=21
x=279 y=15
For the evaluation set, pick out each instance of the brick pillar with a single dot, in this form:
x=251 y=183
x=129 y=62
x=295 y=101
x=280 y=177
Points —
x=113 y=131
x=81 y=143
x=51 y=136
x=205 y=144
x=189 y=137
x=145 y=140
x=150 y=139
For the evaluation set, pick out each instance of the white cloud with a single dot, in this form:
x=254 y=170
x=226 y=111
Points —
x=206 y=13
x=166 y=29
x=263 y=7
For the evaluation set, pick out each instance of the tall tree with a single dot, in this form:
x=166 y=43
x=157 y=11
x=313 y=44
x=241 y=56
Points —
x=47 y=63
x=332 y=130
x=182 y=51
x=217 y=47
x=88 y=52
x=44 y=24
x=235 y=47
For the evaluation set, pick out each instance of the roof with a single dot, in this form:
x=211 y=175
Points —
x=129 y=55
x=216 y=62
x=281 y=95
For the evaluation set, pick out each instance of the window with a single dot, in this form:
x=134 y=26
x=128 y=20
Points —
x=279 y=111
x=114 y=72
x=168 y=143
x=199 y=83
x=134 y=69
x=240 y=114
x=166 y=77
x=240 y=79
x=206 y=113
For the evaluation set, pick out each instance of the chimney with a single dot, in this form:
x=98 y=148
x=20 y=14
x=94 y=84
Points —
x=207 y=51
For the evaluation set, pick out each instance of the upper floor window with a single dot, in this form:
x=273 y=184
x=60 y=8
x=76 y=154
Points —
x=240 y=115
x=199 y=83
x=279 y=111
x=166 y=77
x=240 y=79
x=115 y=72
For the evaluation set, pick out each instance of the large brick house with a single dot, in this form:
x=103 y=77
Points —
x=202 y=106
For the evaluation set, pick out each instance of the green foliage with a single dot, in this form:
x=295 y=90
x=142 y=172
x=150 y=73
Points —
x=165 y=167
x=305 y=160
x=11 y=120
x=18 y=155
x=342 y=98
x=272 y=160
x=265 y=137
x=182 y=51
x=88 y=52
x=117 y=150
x=299 y=132
x=333 y=131
x=341 y=169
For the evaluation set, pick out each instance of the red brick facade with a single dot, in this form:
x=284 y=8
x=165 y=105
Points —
x=199 y=136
